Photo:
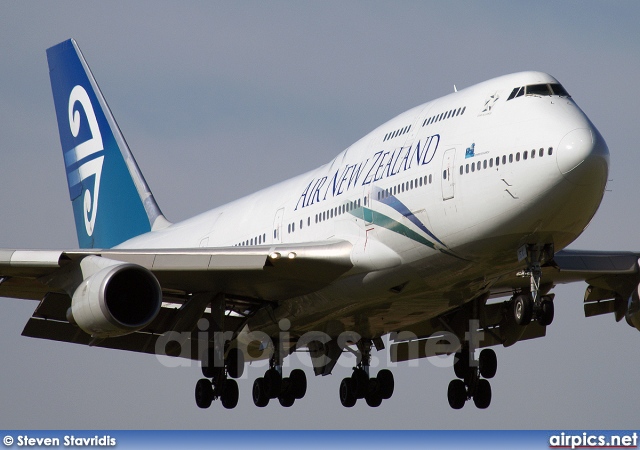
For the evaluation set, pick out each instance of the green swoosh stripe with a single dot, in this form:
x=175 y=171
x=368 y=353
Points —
x=369 y=215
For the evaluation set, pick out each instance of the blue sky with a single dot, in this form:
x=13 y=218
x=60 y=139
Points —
x=219 y=99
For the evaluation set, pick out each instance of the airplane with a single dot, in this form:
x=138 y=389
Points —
x=443 y=229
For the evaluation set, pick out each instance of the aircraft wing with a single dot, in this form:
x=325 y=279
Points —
x=248 y=277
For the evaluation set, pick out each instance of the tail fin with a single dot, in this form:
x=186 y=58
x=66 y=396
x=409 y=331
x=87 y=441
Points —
x=111 y=199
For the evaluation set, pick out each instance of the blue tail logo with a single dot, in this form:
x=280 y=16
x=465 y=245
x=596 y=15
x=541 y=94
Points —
x=111 y=200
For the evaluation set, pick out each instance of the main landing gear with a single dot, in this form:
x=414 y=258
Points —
x=472 y=382
x=287 y=390
x=361 y=385
x=273 y=385
x=219 y=382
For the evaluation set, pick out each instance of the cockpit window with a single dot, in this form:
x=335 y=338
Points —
x=539 y=90
x=559 y=90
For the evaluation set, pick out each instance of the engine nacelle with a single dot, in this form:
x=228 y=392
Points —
x=633 y=310
x=116 y=299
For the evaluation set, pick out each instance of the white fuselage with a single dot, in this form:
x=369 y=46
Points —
x=435 y=201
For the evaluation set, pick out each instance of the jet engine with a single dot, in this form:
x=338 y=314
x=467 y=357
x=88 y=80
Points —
x=115 y=300
x=633 y=310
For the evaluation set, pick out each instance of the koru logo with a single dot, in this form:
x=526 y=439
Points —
x=87 y=154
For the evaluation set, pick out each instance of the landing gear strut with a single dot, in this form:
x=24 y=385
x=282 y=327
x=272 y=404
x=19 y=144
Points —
x=361 y=385
x=472 y=382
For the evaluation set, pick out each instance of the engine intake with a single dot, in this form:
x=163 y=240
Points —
x=116 y=300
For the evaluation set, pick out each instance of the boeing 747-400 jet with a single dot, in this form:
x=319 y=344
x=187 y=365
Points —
x=447 y=221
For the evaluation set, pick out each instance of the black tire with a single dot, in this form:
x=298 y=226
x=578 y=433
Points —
x=230 y=394
x=360 y=383
x=347 y=394
x=457 y=394
x=523 y=309
x=287 y=400
x=373 y=399
x=386 y=383
x=235 y=363
x=488 y=362
x=482 y=396
x=298 y=381
x=260 y=393
x=273 y=382
x=461 y=364
x=546 y=313
x=204 y=393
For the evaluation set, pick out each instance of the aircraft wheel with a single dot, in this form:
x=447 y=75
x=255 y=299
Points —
x=347 y=394
x=235 y=363
x=457 y=394
x=273 y=382
x=545 y=316
x=204 y=393
x=298 y=381
x=230 y=394
x=360 y=383
x=523 y=309
x=488 y=363
x=461 y=364
x=373 y=399
x=482 y=396
x=386 y=383
x=260 y=393
x=287 y=399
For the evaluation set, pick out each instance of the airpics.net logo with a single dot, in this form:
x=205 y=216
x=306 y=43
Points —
x=586 y=440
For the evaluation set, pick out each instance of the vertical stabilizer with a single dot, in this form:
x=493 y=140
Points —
x=111 y=199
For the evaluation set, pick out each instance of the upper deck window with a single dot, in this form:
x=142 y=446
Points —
x=544 y=89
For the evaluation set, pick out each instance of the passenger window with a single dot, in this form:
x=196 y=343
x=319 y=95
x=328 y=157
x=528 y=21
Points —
x=491 y=162
x=533 y=154
x=524 y=155
x=473 y=167
x=444 y=174
x=550 y=151
x=541 y=153
x=518 y=156
x=504 y=159
x=484 y=164
x=510 y=157
x=497 y=161
x=467 y=168
x=461 y=170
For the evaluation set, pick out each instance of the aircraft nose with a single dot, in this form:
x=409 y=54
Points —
x=583 y=157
